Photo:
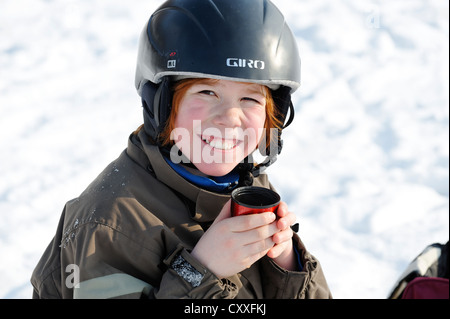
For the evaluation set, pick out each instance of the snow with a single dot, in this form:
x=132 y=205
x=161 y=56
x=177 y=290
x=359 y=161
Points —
x=365 y=165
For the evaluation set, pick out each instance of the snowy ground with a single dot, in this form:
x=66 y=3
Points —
x=365 y=164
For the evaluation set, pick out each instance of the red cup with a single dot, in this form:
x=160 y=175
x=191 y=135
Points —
x=253 y=200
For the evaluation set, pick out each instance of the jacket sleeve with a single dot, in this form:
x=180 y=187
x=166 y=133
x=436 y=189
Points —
x=111 y=263
x=114 y=265
x=309 y=283
x=203 y=285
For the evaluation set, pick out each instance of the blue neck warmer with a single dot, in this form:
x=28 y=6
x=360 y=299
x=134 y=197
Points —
x=218 y=184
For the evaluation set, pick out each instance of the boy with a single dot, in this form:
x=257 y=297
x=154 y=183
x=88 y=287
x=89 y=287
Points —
x=216 y=79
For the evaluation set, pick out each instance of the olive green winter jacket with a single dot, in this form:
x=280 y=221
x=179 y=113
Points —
x=118 y=238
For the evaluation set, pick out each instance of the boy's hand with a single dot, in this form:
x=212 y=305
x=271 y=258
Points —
x=283 y=251
x=233 y=244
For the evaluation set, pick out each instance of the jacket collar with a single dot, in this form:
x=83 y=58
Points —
x=221 y=184
x=207 y=204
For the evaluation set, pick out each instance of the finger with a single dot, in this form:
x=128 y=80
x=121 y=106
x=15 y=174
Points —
x=276 y=250
x=285 y=217
x=247 y=222
x=258 y=234
x=250 y=260
x=286 y=222
x=283 y=236
x=282 y=209
x=260 y=247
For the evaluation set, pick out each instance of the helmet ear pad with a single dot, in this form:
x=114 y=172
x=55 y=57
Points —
x=283 y=102
x=156 y=103
x=284 y=106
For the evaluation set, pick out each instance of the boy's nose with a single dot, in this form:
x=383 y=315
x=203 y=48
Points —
x=229 y=116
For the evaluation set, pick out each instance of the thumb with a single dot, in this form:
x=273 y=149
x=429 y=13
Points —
x=224 y=213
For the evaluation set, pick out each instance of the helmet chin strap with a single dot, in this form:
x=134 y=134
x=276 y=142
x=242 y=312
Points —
x=260 y=168
x=269 y=160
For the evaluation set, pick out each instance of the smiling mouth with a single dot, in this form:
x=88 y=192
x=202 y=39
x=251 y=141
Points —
x=219 y=143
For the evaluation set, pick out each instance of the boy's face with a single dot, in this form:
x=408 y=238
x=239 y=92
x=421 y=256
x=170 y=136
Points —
x=219 y=123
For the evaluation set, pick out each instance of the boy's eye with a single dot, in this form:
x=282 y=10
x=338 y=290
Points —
x=252 y=100
x=207 y=92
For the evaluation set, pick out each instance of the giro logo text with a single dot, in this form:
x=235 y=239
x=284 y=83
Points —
x=246 y=63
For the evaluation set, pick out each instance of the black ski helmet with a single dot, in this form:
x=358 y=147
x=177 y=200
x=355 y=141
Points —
x=239 y=40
